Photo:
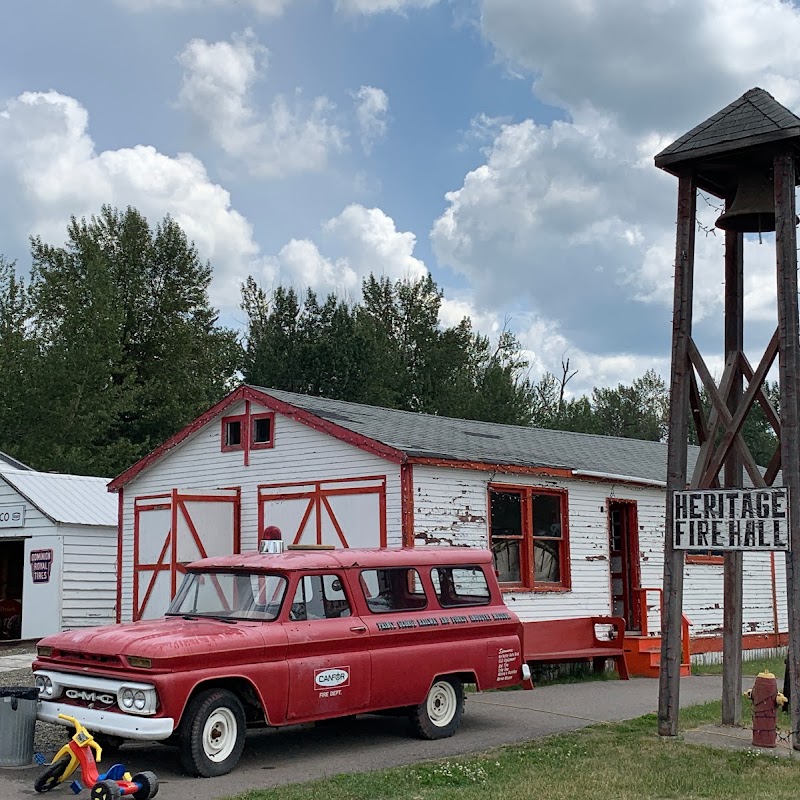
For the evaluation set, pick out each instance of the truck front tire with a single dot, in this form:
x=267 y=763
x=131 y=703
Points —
x=439 y=714
x=212 y=733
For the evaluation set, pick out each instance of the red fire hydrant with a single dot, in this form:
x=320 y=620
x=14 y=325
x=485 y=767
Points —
x=766 y=700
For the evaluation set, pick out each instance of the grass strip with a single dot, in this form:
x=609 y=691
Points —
x=623 y=761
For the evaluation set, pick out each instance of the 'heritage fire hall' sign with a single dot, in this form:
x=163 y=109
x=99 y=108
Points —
x=731 y=519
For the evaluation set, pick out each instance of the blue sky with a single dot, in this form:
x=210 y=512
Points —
x=504 y=146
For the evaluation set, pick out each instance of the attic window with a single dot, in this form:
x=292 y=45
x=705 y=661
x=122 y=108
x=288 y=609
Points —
x=232 y=433
x=262 y=431
x=235 y=432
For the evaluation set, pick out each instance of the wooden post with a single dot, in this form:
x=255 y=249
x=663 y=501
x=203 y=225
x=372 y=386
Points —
x=732 y=582
x=672 y=613
x=789 y=366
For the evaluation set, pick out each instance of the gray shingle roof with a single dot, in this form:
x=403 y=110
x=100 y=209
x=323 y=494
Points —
x=755 y=118
x=428 y=436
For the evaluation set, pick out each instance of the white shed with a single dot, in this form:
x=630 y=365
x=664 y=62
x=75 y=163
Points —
x=576 y=521
x=58 y=553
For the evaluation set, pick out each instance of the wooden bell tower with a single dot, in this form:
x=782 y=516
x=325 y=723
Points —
x=746 y=155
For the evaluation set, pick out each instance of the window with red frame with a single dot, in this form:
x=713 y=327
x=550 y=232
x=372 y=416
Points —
x=528 y=535
x=262 y=431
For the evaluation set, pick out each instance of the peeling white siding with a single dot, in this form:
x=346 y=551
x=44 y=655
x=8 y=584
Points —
x=451 y=507
x=300 y=454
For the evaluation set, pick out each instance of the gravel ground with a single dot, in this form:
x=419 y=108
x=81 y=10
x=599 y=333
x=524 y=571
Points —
x=48 y=738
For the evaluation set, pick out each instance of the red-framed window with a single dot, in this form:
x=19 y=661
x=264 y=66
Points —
x=529 y=537
x=257 y=431
x=262 y=431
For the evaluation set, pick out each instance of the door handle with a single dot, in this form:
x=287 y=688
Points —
x=359 y=629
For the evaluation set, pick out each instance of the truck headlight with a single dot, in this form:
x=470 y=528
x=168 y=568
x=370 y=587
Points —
x=44 y=685
x=137 y=699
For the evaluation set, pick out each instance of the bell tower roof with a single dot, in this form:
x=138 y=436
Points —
x=742 y=130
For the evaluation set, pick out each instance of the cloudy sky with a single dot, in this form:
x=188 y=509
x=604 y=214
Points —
x=504 y=146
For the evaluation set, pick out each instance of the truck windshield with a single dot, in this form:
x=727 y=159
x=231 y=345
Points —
x=229 y=595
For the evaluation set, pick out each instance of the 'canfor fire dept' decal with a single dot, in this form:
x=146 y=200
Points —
x=333 y=678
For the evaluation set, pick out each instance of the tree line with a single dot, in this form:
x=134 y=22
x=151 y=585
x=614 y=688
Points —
x=110 y=345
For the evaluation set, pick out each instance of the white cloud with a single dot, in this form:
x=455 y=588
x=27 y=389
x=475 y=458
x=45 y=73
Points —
x=570 y=221
x=359 y=241
x=51 y=171
x=270 y=8
x=372 y=107
x=285 y=139
x=380 y=6
x=658 y=65
x=273 y=8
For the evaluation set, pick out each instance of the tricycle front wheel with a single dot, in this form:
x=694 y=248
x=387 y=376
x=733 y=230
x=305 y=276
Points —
x=52 y=776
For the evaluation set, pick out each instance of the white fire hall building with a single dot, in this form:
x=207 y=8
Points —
x=575 y=521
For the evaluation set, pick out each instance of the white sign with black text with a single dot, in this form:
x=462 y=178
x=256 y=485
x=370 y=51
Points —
x=12 y=516
x=731 y=519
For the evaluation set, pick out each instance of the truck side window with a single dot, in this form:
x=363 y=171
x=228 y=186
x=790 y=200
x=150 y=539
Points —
x=460 y=586
x=319 y=597
x=396 y=589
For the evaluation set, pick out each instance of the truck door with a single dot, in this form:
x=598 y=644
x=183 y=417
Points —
x=329 y=662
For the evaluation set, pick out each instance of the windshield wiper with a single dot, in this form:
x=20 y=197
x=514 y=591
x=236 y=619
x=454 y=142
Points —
x=209 y=616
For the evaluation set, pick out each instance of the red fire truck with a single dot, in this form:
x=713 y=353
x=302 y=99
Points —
x=286 y=638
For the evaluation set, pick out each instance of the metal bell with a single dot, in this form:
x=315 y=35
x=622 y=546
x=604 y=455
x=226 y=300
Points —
x=753 y=207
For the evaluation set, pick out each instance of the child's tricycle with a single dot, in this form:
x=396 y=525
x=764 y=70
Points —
x=109 y=785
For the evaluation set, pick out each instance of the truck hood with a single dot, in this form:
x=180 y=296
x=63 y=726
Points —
x=166 y=640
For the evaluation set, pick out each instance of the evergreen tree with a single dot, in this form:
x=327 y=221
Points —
x=130 y=349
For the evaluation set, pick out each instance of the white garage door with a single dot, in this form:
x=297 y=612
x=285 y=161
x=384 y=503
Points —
x=170 y=531
x=345 y=512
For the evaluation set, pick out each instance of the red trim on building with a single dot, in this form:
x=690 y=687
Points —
x=261 y=398
x=750 y=641
x=247 y=433
x=407 y=504
x=120 y=509
x=528 y=537
x=485 y=466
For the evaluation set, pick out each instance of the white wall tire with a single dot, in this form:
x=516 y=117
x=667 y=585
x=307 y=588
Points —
x=212 y=733
x=439 y=715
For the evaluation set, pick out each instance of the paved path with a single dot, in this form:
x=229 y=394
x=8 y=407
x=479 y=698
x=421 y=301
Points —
x=11 y=663
x=302 y=753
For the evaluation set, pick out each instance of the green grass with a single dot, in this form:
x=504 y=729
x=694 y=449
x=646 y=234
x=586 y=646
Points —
x=623 y=761
x=774 y=665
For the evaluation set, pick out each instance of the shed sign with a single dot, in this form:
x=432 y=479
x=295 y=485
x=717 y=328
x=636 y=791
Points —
x=41 y=564
x=731 y=519
x=12 y=516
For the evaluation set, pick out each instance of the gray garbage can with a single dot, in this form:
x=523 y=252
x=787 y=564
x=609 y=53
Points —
x=17 y=725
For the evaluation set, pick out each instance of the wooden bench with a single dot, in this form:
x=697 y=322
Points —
x=575 y=639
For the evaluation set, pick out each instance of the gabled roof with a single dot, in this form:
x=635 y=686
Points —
x=425 y=436
x=405 y=436
x=66 y=499
x=755 y=118
x=7 y=462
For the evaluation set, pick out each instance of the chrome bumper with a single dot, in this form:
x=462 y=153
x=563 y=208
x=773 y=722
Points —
x=115 y=723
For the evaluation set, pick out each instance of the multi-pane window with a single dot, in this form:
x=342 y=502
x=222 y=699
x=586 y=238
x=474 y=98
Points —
x=259 y=436
x=528 y=534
